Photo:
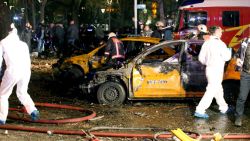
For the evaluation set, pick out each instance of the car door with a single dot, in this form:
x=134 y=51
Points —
x=193 y=72
x=158 y=73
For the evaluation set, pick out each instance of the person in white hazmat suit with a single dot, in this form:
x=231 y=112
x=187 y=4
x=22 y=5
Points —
x=214 y=53
x=18 y=70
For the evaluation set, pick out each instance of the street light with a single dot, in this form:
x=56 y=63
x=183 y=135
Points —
x=11 y=6
x=109 y=11
x=102 y=10
x=109 y=2
x=22 y=9
x=135 y=16
x=109 y=21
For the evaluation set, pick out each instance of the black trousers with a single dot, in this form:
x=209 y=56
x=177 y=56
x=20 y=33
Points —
x=244 y=90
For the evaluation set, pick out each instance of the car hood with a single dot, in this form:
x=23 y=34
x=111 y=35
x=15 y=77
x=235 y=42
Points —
x=83 y=57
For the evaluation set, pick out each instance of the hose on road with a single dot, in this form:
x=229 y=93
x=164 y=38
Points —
x=94 y=131
x=55 y=121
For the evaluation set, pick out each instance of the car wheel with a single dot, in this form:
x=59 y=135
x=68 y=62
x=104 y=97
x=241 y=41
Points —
x=111 y=93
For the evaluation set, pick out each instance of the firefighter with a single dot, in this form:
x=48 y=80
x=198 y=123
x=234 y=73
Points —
x=18 y=70
x=214 y=53
x=114 y=52
x=202 y=32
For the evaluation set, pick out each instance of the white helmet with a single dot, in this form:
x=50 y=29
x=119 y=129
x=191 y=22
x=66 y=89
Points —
x=13 y=28
x=202 y=28
x=111 y=34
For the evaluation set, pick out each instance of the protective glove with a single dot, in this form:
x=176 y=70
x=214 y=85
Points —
x=239 y=62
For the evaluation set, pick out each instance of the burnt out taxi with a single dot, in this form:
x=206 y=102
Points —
x=167 y=70
x=75 y=70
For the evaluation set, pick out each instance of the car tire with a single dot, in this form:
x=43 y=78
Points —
x=111 y=93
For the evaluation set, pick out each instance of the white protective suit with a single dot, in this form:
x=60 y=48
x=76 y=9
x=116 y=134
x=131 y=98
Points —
x=214 y=53
x=18 y=71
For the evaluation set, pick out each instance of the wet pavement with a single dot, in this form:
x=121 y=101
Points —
x=180 y=115
x=165 y=115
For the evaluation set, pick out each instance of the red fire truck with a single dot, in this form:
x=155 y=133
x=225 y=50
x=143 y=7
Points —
x=231 y=15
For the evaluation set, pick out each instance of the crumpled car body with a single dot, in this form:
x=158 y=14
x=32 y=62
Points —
x=77 y=68
x=167 y=70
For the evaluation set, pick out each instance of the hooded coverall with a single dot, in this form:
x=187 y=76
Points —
x=18 y=70
x=214 y=53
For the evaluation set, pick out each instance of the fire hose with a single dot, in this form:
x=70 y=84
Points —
x=95 y=131
x=54 y=121
x=120 y=135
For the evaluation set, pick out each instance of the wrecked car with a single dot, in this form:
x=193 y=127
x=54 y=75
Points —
x=174 y=73
x=75 y=70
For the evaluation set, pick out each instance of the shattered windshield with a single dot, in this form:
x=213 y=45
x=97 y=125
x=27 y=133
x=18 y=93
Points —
x=167 y=53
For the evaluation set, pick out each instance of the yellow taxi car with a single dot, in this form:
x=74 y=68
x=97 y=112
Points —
x=75 y=70
x=175 y=73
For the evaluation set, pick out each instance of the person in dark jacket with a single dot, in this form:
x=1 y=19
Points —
x=26 y=35
x=114 y=52
x=72 y=33
x=243 y=62
x=59 y=39
x=168 y=30
x=40 y=37
x=159 y=32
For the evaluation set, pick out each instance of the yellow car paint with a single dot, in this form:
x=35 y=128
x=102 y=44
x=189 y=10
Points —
x=155 y=84
x=85 y=60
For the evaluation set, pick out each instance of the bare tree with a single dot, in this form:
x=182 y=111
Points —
x=42 y=8
x=26 y=11
x=161 y=9
x=75 y=10
x=4 y=20
x=30 y=3
x=93 y=7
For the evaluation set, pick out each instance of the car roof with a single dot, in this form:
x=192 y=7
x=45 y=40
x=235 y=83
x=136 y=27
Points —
x=142 y=39
x=194 y=41
x=191 y=41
